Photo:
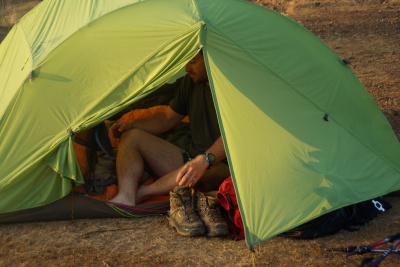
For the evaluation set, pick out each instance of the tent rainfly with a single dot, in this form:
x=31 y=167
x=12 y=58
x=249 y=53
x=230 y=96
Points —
x=303 y=136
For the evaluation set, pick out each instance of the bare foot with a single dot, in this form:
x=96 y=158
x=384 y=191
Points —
x=123 y=199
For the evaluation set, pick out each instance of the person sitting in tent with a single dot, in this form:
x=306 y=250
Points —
x=180 y=170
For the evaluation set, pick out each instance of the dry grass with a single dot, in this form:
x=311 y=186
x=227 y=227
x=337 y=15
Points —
x=364 y=32
x=11 y=11
x=150 y=242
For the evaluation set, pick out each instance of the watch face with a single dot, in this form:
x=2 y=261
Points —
x=210 y=158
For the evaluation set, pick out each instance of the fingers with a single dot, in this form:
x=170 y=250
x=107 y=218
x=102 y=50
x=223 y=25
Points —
x=186 y=176
x=193 y=182
x=117 y=129
x=114 y=130
x=188 y=181
x=191 y=173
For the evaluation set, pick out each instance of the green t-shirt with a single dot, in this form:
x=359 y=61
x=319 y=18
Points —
x=195 y=100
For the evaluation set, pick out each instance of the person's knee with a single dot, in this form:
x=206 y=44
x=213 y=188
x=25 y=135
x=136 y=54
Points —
x=213 y=178
x=132 y=138
x=210 y=183
x=208 y=186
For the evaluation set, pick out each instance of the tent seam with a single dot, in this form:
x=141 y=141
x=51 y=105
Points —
x=138 y=66
x=293 y=89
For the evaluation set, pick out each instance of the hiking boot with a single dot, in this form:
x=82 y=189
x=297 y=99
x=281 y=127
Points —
x=210 y=213
x=183 y=216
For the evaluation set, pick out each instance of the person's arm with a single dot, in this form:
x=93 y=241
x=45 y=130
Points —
x=193 y=170
x=156 y=123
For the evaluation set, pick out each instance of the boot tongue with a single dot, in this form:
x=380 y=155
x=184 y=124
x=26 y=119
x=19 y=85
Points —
x=186 y=197
x=184 y=192
x=211 y=201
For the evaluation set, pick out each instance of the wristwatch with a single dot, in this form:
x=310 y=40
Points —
x=210 y=158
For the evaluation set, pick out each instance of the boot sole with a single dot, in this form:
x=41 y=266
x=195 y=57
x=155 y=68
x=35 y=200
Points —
x=217 y=232
x=194 y=232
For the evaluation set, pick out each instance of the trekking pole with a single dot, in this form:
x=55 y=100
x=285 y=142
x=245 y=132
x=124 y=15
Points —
x=368 y=248
x=366 y=261
x=392 y=248
x=352 y=248
x=395 y=251
x=348 y=249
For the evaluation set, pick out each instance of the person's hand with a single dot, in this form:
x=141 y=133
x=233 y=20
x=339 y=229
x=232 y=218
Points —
x=118 y=128
x=192 y=171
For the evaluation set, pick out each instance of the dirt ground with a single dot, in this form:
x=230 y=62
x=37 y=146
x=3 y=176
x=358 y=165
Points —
x=364 y=32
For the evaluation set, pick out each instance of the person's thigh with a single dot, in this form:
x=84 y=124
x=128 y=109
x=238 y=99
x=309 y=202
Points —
x=158 y=154
x=213 y=178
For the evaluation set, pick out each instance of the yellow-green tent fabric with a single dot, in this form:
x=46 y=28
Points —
x=303 y=136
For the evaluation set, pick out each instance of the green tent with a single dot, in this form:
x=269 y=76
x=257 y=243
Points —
x=303 y=136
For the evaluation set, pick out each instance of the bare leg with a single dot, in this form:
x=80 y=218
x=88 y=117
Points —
x=135 y=148
x=211 y=181
x=213 y=178
x=160 y=187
